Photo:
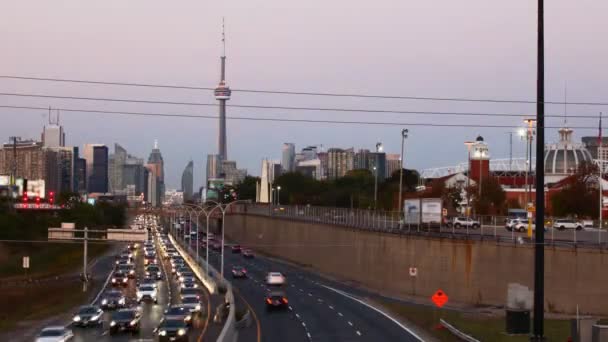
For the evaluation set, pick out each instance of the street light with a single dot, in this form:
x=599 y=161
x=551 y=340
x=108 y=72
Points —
x=272 y=196
x=379 y=148
x=279 y=195
x=529 y=133
x=404 y=133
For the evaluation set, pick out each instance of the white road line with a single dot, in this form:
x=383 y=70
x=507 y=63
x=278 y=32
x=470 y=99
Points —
x=340 y=314
x=308 y=334
x=375 y=309
x=358 y=332
x=350 y=323
x=331 y=307
x=309 y=294
x=303 y=324
x=298 y=315
x=301 y=290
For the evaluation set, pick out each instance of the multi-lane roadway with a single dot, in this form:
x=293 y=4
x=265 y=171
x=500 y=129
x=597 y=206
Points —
x=318 y=309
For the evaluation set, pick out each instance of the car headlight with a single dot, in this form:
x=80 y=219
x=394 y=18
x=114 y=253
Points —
x=113 y=280
x=124 y=280
x=163 y=333
x=77 y=318
x=94 y=318
x=197 y=307
x=188 y=318
x=181 y=332
x=181 y=278
x=133 y=322
x=113 y=323
x=195 y=285
x=132 y=272
x=121 y=301
x=158 y=274
x=104 y=302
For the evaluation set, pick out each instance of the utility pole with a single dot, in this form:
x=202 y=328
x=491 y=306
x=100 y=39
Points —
x=400 y=201
x=84 y=265
x=539 y=255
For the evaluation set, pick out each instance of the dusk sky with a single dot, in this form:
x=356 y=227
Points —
x=437 y=48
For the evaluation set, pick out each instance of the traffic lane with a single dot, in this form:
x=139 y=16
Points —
x=199 y=323
x=366 y=323
x=317 y=320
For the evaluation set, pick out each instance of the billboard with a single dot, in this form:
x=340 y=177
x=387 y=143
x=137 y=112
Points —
x=431 y=210
x=214 y=187
x=411 y=211
x=5 y=180
x=36 y=188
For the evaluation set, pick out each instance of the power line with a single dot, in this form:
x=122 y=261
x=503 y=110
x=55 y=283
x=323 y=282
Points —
x=282 y=92
x=249 y=118
x=322 y=109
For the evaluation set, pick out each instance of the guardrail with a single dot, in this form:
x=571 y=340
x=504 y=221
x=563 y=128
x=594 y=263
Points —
x=457 y=332
x=229 y=332
x=491 y=228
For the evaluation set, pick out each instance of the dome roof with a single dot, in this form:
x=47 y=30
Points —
x=565 y=156
x=479 y=138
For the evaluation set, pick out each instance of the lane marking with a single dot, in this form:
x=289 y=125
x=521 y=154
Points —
x=350 y=323
x=358 y=332
x=331 y=307
x=308 y=334
x=340 y=314
x=255 y=317
x=409 y=331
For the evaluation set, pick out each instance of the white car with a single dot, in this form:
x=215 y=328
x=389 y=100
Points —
x=275 y=278
x=54 y=334
x=464 y=222
x=562 y=224
x=146 y=292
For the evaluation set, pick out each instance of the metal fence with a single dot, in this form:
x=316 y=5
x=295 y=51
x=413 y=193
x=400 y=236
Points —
x=490 y=227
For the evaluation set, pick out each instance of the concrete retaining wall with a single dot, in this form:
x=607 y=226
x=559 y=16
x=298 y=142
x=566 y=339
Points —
x=473 y=272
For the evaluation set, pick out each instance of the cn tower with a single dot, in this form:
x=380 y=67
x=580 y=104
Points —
x=222 y=94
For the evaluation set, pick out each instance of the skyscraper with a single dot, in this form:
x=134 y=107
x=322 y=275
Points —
x=155 y=161
x=222 y=94
x=339 y=162
x=188 y=181
x=53 y=134
x=393 y=163
x=96 y=156
x=288 y=159
x=81 y=175
x=116 y=165
x=213 y=166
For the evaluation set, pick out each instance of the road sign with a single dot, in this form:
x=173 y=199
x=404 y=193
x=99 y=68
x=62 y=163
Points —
x=26 y=262
x=413 y=271
x=439 y=298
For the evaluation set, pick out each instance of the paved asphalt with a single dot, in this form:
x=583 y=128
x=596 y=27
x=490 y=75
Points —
x=316 y=312
x=152 y=314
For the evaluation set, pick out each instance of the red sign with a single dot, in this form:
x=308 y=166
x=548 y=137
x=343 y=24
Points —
x=439 y=298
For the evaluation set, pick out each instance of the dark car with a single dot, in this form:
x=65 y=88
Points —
x=172 y=330
x=150 y=259
x=247 y=253
x=239 y=272
x=123 y=259
x=129 y=270
x=87 y=315
x=154 y=272
x=179 y=312
x=125 y=320
x=276 y=300
x=181 y=270
x=236 y=249
x=119 y=278
x=189 y=284
x=113 y=299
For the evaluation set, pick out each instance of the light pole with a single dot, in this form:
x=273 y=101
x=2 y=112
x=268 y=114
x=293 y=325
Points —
x=399 y=203
x=529 y=138
x=468 y=144
x=279 y=195
x=379 y=148
x=272 y=196
x=202 y=210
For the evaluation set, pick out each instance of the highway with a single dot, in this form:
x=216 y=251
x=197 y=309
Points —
x=151 y=314
x=319 y=310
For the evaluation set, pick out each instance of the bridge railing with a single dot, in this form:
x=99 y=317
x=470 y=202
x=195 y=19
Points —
x=490 y=227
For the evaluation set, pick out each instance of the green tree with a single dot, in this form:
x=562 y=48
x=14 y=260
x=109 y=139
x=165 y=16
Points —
x=492 y=197
x=246 y=190
x=579 y=197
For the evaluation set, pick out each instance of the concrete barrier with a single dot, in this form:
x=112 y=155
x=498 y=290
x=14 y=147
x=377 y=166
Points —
x=209 y=282
x=229 y=333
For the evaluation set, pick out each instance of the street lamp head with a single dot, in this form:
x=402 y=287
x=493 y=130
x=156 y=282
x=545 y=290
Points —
x=379 y=147
x=521 y=132
x=404 y=132
x=279 y=187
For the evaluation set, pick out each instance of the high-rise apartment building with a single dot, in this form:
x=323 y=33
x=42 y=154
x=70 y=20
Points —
x=288 y=158
x=231 y=174
x=96 y=156
x=155 y=161
x=188 y=181
x=213 y=166
x=116 y=166
x=339 y=162
x=393 y=163
x=81 y=175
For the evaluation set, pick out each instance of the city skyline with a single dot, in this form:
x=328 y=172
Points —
x=407 y=60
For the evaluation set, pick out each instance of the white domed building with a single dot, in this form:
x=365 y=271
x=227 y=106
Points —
x=563 y=158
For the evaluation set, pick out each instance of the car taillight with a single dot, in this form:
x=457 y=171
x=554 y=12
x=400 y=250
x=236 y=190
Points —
x=244 y=271
x=268 y=300
x=285 y=300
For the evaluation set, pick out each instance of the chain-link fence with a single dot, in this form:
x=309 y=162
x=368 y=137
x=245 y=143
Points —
x=501 y=228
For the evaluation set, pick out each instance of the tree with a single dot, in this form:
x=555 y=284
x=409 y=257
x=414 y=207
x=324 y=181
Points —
x=492 y=197
x=246 y=190
x=579 y=196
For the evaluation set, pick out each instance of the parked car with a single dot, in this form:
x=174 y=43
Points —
x=562 y=224
x=464 y=222
x=511 y=223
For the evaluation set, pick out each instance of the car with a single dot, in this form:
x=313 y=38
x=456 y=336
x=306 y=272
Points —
x=193 y=304
x=248 y=254
x=190 y=284
x=123 y=260
x=236 y=249
x=275 y=279
x=150 y=259
x=191 y=292
x=172 y=330
x=464 y=222
x=148 y=281
x=153 y=271
x=125 y=320
x=184 y=275
x=276 y=300
x=511 y=223
x=113 y=299
x=54 y=334
x=239 y=272
x=179 y=312
x=129 y=270
x=522 y=226
x=562 y=224
x=216 y=246
x=119 y=278
x=146 y=292
x=87 y=315
x=181 y=270
x=187 y=278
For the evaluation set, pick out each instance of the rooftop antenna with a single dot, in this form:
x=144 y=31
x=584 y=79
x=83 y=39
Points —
x=565 y=103
x=155 y=143
x=57 y=117
x=49 y=115
x=223 y=38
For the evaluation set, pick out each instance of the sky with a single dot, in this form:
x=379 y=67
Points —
x=437 y=48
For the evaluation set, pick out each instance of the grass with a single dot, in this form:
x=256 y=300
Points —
x=480 y=326
x=31 y=303
x=46 y=259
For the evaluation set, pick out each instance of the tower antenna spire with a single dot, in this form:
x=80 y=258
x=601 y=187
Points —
x=223 y=38
x=565 y=103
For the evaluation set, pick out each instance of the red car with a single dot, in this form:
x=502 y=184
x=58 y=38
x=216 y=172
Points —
x=276 y=300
